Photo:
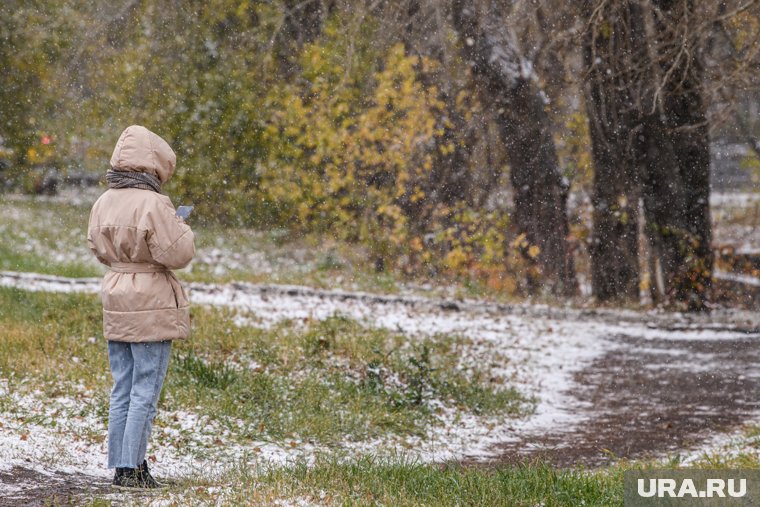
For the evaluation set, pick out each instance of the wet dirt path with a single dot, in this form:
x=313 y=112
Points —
x=650 y=397
x=31 y=488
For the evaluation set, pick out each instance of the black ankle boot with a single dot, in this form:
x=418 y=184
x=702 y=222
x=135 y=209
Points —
x=135 y=478
x=125 y=478
x=147 y=479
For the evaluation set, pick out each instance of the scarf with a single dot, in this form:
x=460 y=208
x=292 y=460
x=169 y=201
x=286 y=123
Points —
x=131 y=179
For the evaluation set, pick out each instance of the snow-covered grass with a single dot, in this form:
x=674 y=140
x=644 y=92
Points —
x=340 y=342
x=47 y=235
x=293 y=388
x=240 y=400
x=46 y=239
x=379 y=346
x=49 y=436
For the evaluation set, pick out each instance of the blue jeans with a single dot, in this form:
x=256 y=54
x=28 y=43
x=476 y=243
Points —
x=138 y=371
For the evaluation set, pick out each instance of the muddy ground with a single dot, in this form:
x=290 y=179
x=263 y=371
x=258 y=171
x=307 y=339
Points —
x=650 y=397
x=52 y=489
x=27 y=487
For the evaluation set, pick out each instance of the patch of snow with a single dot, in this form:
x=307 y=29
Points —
x=49 y=283
x=35 y=446
x=726 y=445
x=744 y=239
x=734 y=199
x=733 y=277
x=53 y=437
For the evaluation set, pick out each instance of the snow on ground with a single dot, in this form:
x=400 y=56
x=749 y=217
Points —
x=544 y=347
x=222 y=257
x=27 y=231
x=54 y=437
x=734 y=199
x=743 y=237
x=48 y=283
x=733 y=277
x=73 y=195
x=76 y=443
x=37 y=447
x=724 y=446
x=539 y=350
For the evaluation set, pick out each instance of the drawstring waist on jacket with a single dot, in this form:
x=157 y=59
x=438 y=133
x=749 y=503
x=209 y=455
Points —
x=137 y=267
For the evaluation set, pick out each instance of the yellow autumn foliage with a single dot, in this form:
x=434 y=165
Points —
x=338 y=159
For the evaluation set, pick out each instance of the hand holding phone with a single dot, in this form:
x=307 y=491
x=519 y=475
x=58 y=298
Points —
x=184 y=211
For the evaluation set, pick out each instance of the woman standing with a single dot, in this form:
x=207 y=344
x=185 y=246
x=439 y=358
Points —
x=134 y=231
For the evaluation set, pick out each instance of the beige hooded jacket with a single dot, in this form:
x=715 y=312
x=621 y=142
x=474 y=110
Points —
x=137 y=234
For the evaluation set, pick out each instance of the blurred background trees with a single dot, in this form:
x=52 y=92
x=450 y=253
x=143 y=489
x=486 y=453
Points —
x=457 y=138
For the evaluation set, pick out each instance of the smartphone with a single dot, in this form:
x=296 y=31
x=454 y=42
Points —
x=184 y=211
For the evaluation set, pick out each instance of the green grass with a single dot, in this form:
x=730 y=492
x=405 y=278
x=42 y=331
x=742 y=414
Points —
x=323 y=382
x=337 y=379
x=398 y=481
x=45 y=239
x=12 y=260
x=369 y=481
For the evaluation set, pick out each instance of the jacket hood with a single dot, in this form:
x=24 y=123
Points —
x=140 y=150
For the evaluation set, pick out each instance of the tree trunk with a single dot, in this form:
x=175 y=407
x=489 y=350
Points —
x=301 y=24
x=507 y=83
x=664 y=203
x=612 y=49
x=678 y=160
x=646 y=108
